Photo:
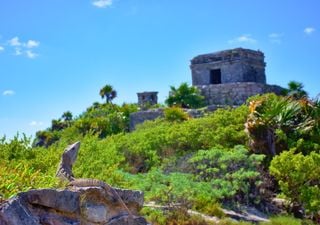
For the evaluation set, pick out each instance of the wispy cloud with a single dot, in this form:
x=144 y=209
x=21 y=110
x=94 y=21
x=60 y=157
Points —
x=30 y=54
x=275 y=38
x=8 y=93
x=1 y=48
x=246 y=38
x=309 y=30
x=24 y=48
x=17 y=51
x=35 y=123
x=32 y=44
x=102 y=3
x=14 y=41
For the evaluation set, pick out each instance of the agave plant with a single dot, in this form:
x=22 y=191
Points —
x=268 y=115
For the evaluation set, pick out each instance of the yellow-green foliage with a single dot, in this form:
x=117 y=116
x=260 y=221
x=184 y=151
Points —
x=175 y=114
x=154 y=141
x=298 y=177
x=21 y=177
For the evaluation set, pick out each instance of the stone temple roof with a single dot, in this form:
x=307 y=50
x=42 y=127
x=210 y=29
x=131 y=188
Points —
x=227 y=55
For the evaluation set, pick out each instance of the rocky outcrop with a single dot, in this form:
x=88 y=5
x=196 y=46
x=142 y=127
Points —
x=83 y=202
x=80 y=205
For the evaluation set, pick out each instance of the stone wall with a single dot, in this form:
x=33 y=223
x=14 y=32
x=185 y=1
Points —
x=235 y=93
x=141 y=116
x=77 y=206
x=235 y=65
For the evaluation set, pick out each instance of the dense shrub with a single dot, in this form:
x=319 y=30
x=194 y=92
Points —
x=185 y=96
x=175 y=114
x=233 y=172
x=298 y=177
x=155 y=141
x=99 y=119
x=21 y=177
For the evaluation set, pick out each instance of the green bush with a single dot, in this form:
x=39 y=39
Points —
x=21 y=177
x=175 y=114
x=298 y=177
x=233 y=172
x=154 y=141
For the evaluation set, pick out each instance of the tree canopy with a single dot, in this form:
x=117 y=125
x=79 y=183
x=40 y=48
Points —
x=108 y=93
x=185 y=96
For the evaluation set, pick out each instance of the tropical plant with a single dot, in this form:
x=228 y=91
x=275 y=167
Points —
x=67 y=116
x=298 y=177
x=231 y=171
x=269 y=115
x=175 y=114
x=185 y=96
x=295 y=90
x=108 y=93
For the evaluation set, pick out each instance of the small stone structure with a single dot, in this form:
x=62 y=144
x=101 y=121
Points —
x=229 y=66
x=147 y=98
x=224 y=78
x=231 y=76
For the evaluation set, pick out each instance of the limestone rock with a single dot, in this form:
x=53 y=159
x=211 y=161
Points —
x=81 y=205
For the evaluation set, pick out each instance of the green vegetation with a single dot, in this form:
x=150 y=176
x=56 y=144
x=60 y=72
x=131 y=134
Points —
x=108 y=93
x=185 y=96
x=224 y=159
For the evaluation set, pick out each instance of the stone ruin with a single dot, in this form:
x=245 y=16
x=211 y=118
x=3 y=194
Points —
x=224 y=78
x=229 y=77
x=147 y=98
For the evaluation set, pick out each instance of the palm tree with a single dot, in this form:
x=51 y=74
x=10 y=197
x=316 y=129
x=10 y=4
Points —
x=295 y=90
x=108 y=92
x=67 y=116
x=185 y=96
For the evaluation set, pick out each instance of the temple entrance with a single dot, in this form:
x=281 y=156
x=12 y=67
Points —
x=215 y=76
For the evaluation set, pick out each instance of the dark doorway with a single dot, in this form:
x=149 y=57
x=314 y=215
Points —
x=215 y=76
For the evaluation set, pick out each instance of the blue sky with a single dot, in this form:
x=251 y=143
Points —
x=56 y=55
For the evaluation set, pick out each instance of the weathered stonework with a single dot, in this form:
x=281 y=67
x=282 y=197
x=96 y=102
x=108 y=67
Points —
x=225 y=78
x=230 y=77
x=235 y=93
x=229 y=66
x=141 y=116
x=147 y=98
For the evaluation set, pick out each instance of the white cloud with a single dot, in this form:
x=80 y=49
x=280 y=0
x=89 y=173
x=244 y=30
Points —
x=32 y=44
x=309 y=30
x=24 y=48
x=17 y=51
x=275 y=38
x=1 y=48
x=246 y=38
x=31 y=54
x=14 y=41
x=102 y=3
x=35 y=123
x=8 y=92
x=275 y=35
